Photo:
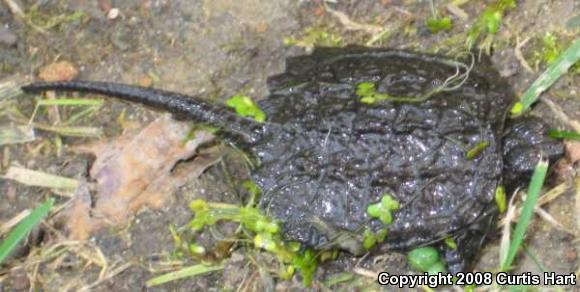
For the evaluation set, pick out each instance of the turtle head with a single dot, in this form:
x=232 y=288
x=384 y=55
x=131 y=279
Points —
x=525 y=142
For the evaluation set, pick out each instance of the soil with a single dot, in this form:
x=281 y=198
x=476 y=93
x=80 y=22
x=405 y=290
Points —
x=218 y=48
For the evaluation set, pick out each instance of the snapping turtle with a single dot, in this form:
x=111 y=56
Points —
x=326 y=153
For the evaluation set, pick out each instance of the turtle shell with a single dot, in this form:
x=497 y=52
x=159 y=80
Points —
x=331 y=155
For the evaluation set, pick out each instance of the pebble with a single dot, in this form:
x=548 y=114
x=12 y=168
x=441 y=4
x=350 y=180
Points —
x=113 y=13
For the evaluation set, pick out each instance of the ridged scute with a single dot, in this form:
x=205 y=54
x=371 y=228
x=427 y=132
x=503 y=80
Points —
x=335 y=155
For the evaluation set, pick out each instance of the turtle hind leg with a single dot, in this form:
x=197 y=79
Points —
x=460 y=258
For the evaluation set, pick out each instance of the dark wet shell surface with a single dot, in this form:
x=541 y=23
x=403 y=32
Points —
x=332 y=156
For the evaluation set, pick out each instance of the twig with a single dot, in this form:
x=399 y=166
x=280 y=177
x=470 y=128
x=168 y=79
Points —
x=353 y=25
x=53 y=111
x=380 y=36
x=520 y=56
x=365 y=273
x=561 y=115
x=107 y=277
x=15 y=9
x=455 y=10
x=20 y=15
x=550 y=219
x=544 y=199
x=14 y=221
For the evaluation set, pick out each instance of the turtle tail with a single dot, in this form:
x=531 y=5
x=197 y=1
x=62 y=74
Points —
x=182 y=106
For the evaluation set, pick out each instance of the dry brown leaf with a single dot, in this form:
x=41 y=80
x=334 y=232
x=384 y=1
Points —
x=136 y=171
x=565 y=167
x=145 y=81
x=577 y=200
x=572 y=151
x=59 y=71
x=77 y=216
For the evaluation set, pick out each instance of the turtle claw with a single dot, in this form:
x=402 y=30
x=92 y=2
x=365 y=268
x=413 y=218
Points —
x=461 y=256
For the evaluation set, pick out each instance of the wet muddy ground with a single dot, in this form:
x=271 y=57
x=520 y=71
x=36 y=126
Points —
x=218 y=48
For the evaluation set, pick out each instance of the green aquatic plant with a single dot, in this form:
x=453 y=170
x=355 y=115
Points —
x=436 y=25
x=254 y=191
x=306 y=263
x=316 y=36
x=42 y=21
x=450 y=243
x=367 y=91
x=264 y=232
x=382 y=210
x=370 y=239
x=488 y=24
x=552 y=48
x=426 y=259
x=501 y=199
x=476 y=150
x=246 y=107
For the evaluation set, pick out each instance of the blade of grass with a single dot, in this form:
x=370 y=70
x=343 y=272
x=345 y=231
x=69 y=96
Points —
x=382 y=36
x=73 y=131
x=70 y=102
x=110 y=274
x=564 y=135
x=506 y=228
x=528 y=210
x=16 y=134
x=65 y=102
x=23 y=228
x=76 y=117
x=552 y=73
x=190 y=271
x=534 y=258
x=10 y=88
x=40 y=179
x=339 y=278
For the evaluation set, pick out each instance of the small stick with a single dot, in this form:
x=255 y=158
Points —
x=14 y=221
